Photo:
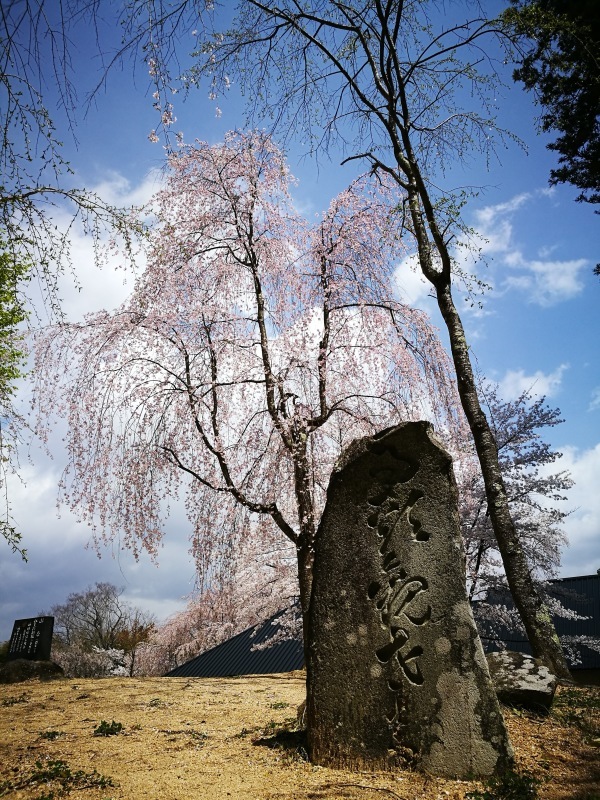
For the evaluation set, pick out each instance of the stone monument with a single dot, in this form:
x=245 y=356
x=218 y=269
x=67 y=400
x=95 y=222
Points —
x=31 y=639
x=396 y=674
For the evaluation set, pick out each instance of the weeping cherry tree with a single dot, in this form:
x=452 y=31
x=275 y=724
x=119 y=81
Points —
x=253 y=349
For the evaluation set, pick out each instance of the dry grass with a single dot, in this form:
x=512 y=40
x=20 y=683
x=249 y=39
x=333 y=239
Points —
x=210 y=739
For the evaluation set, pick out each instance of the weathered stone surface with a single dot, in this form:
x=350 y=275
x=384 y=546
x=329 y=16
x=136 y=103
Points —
x=22 y=669
x=395 y=669
x=521 y=680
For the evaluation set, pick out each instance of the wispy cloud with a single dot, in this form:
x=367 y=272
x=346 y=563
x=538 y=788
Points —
x=549 y=282
x=539 y=384
x=595 y=401
x=546 y=281
x=489 y=215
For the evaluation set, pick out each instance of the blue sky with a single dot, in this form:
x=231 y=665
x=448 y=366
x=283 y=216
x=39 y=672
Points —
x=537 y=328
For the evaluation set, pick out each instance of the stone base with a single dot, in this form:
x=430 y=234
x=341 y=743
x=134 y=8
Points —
x=522 y=681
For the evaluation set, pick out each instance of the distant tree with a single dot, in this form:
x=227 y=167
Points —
x=78 y=662
x=4 y=648
x=254 y=348
x=535 y=492
x=91 y=618
x=560 y=64
x=96 y=631
x=13 y=275
x=130 y=639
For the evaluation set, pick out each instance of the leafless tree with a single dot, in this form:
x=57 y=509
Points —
x=92 y=623
x=37 y=180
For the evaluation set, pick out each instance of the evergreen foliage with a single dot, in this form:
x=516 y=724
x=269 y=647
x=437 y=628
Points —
x=560 y=64
x=13 y=275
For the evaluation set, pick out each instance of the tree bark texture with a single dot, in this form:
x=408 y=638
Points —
x=534 y=613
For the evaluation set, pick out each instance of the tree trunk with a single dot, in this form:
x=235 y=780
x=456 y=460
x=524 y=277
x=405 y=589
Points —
x=536 y=618
x=534 y=613
x=307 y=527
x=305 y=576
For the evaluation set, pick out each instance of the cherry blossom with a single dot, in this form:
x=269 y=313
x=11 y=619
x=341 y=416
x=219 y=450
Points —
x=253 y=349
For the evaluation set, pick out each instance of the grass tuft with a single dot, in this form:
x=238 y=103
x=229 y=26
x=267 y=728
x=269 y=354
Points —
x=12 y=701
x=508 y=786
x=108 y=728
x=56 y=779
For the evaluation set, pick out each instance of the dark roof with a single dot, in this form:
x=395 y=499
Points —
x=236 y=656
x=580 y=594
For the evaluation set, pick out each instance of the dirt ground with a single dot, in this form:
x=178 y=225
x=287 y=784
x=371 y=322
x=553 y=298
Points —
x=210 y=739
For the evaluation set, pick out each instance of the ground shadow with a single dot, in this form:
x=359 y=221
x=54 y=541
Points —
x=291 y=742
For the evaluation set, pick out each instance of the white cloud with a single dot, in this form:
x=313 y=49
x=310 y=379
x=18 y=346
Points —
x=549 y=282
x=539 y=384
x=488 y=216
x=412 y=287
x=494 y=228
x=595 y=401
x=582 y=557
x=545 y=281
